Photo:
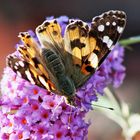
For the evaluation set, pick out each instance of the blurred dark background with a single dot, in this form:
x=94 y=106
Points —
x=17 y=16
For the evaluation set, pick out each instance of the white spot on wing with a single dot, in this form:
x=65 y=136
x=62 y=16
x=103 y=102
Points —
x=109 y=44
x=42 y=80
x=105 y=39
x=101 y=28
x=93 y=60
x=114 y=12
x=107 y=23
x=19 y=74
x=15 y=67
x=120 y=29
x=17 y=64
x=119 y=12
x=108 y=41
x=114 y=16
x=21 y=63
x=28 y=74
x=114 y=23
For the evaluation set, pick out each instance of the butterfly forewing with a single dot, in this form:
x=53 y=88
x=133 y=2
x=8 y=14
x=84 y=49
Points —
x=90 y=45
x=106 y=29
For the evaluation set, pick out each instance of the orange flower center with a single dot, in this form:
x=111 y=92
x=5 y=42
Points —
x=35 y=107
x=59 y=134
x=51 y=104
x=20 y=136
x=24 y=121
x=35 y=91
x=45 y=115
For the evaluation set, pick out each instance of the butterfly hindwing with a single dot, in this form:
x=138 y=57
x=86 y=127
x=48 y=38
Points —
x=49 y=35
x=77 y=46
x=76 y=41
x=33 y=68
x=31 y=53
x=28 y=72
x=18 y=66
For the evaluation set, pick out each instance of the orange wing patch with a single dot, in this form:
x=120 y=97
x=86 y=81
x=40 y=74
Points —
x=76 y=41
x=49 y=32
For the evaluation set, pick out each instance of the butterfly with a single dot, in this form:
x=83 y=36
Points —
x=62 y=64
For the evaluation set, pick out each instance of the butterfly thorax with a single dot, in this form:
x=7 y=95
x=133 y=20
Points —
x=64 y=83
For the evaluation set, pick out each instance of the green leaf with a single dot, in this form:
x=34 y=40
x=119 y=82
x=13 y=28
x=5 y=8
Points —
x=130 y=41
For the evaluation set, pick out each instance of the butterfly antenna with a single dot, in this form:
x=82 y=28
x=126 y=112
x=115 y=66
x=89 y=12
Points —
x=100 y=106
x=95 y=105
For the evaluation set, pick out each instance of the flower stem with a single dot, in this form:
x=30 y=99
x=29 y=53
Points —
x=121 y=113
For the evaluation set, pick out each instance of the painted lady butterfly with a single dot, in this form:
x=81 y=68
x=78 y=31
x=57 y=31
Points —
x=62 y=64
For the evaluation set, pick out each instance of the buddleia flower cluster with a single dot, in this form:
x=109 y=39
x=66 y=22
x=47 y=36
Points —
x=29 y=112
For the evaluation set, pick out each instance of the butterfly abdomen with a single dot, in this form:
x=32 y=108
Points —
x=53 y=62
x=56 y=66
